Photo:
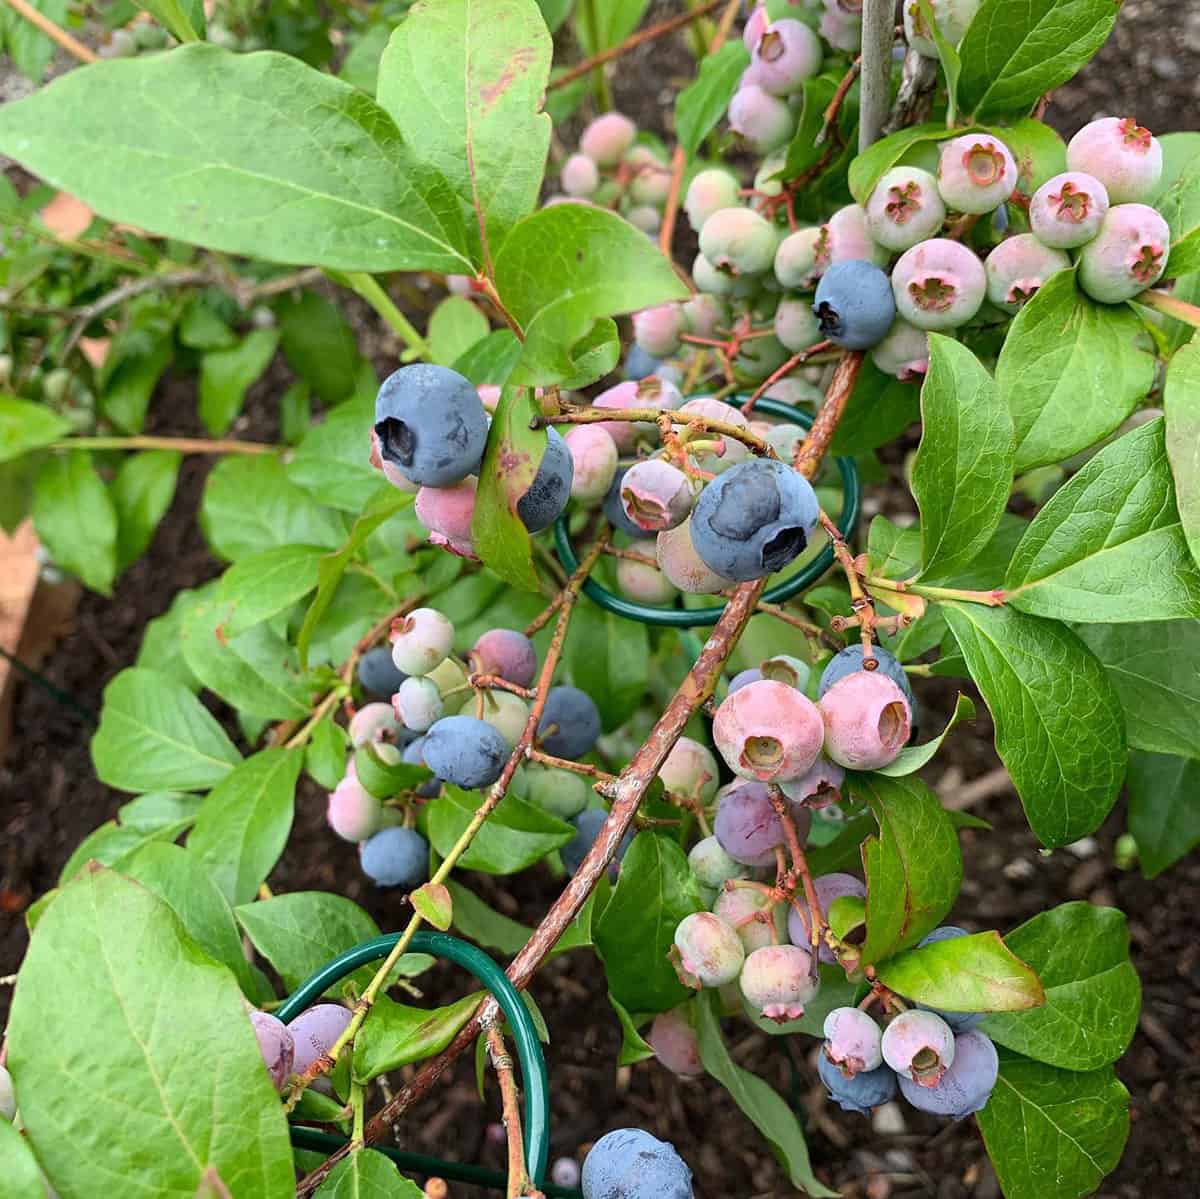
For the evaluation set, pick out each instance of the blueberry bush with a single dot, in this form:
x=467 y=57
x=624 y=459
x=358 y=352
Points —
x=468 y=602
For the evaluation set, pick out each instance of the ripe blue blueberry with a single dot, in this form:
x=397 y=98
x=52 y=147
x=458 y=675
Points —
x=550 y=490
x=378 y=673
x=588 y=824
x=464 y=751
x=754 y=519
x=854 y=304
x=958 y=1021
x=414 y=755
x=431 y=423
x=396 y=857
x=570 y=723
x=850 y=661
x=631 y=1164
x=867 y=1089
x=639 y=364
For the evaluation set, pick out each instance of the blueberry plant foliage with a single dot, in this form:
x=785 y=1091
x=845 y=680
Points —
x=740 y=823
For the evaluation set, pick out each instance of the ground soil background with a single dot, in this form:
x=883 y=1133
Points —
x=51 y=799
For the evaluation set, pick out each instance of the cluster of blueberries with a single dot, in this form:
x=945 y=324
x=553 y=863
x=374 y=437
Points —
x=289 y=1049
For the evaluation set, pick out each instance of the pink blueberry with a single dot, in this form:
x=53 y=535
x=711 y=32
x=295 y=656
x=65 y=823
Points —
x=1128 y=255
x=778 y=980
x=650 y=392
x=797 y=264
x=795 y=325
x=976 y=173
x=594 y=459
x=448 y=510
x=607 y=138
x=846 y=237
x=642 y=582
x=828 y=887
x=1125 y=157
x=853 y=1041
x=690 y=769
x=657 y=330
x=728 y=451
x=768 y=731
x=489 y=395
x=904 y=208
x=373 y=722
x=418 y=704
x=786 y=54
x=904 y=352
x=939 y=284
x=967 y=1084
x=763 y=121
x=819 y=786
x=752 y=915
x=315 y=1031
x=353 y=812
x=746 y=824
x=709 y=191
x=579 y=176
x=675 y=1043
x=706 y=315
x=867 y=720
x=952 y=17
x=756 y=26
x=678 y=560
x=656 y=495
x=919 y=1046
x=709 y=952
x=277 y=1046
x=421 y=641
x=1066 y=211
x=1017 y=267
x=841 y=26
x=506 y=653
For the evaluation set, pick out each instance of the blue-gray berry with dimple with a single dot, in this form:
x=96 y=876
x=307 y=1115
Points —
x=854 y=304
x=570 y=723
x=865 y=1090
x=850 y=661
x=465 y=751
x=550 y=490
x=630 y=1163
x=396 y=857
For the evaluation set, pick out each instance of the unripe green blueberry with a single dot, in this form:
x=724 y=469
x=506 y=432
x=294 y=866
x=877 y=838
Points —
x=845 y=237
x=778 y=980
x=644 y=217
x=607 y=138
x=579 y=176
x=758 y=358
x=1067 y=211
x=976 y=173
x=787 y=53
x=690 y=769
x=765 y=181
x=1124 y=156
x=121 y=44
x=783 y=668
x=675 y=1043
x=797 y=262
x=421 y=640
x=1017 y=267
x=594 y=456
x=8 y=1098
x=768 y=731
x=904 y=208
x=1128 y=255
x=562 y=793
x=738 y=241
x=449 y=676
x=752 y=915
x=651 y=185
x=938 y=284
x=867 y=720
x=705 y=315
x=678 y=560
x=795 y=391
x=643 y=583
x=710 y=191
x=710 y=953
x=657 y=329
x=952 y=17
x=785 y=440
x=763 y=121
x=712 y=865
x=904 y=351
x=795 y=325
x=506 y=713
x=720 y=283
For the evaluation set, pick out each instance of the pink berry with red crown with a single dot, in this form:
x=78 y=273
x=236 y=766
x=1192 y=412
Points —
x=594 y=460
x=938 y=285
x=1128 y=255
x=1067 y=211
x=867 y=720
x=919 y=1046
x=904 y=208
x=853 y=1041
x=976 y=173
x=1126 y=157
x=778 y=980
x=768 y=731
x=1017 y=267
x=786 y=54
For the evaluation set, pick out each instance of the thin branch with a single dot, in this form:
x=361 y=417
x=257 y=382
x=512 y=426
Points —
x=54 y=32
x=518 y=1173
x=589 y=416
x=834 y=107
x=815 y=445
x=182 y=445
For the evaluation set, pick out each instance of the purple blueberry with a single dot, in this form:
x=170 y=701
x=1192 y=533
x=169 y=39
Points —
x=276 y=1043
x=744 y=678
x=638 y=364
x=768 y=731
x=1066 y=211
x=854 y=305
x=550 y=490
x=778 y=980
x=507 y=654
x=614 y=509
x=710 y=952
x=787 y=53
x=570 y=723
x=746 y=826
x=828 y=887
x=377 y=673
x=631 y=1164
x=431 y=424
x=966 y=1085
x=465 y=751
x=1125 y=157
x=816 y=787
x=675 y=1043
x=315 y=1031
x=853 y=1041
x=396 y=857
x=919 y=1046
x=870 y=1089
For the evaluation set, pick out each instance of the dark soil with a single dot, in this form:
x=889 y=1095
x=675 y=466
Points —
x=52 y=799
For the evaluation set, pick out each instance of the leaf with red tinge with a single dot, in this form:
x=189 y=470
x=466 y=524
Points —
x=514 y=453
x=432 y=901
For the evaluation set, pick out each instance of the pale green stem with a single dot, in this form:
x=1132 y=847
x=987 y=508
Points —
x=369 y=288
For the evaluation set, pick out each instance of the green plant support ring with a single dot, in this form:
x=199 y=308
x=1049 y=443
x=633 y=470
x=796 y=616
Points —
x=687 y=618
x=525 y=1042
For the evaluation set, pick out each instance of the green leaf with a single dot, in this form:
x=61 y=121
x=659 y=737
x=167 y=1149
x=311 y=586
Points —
x=18 y=1167
x=155 y=735
x=762 y=1105
x=1181 y=402
x=75 y=519
x=244 y=823
x=567 y=267
x=966 y=974
x=329 y=182
x=1185 y=255
x=183 y=884
x=1109 y=546
x=515 y=835
x=172 y=14
x=868 y=167
x=30 y=49
x=912 y=757
x=947 y=56
x=1081 y=954
x=332 y=461
x=325 y=757
x=114 y=991
x=1052 y=1134
x=319 y=345
x=226 y=375
x=609 y=23
x=141 y=494
x=484 y=925
x=432 y=901
x=385 y=779
x=492 y=359
x=963 y=470
x=455 y=325
x=655 y=891
x=464 y=83
x=397 y=1034
x=1012 y=55
x=1038 y=150
x=914 y=865
x=880 y=408
x=1071 y=371
x=609 y=658
x=510 y=463
x=25 y=426
x=1058 y=721
x=367 y=1174
x=803 y=152
x=634 y=1047
x=250 y=505
x=260 y=585
x=1164 y=817
x=1155 y=671
x=704 y=101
